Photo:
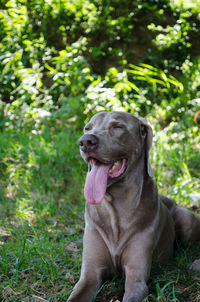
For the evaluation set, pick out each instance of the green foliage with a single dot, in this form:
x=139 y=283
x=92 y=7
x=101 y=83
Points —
x=175 y=167
x=49 y=47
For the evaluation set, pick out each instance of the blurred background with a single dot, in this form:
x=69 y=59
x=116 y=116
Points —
x=61 y=61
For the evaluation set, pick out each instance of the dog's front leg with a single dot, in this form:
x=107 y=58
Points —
x=95 y=263
x=135 y=288
x=137 y=264
x=86 y=287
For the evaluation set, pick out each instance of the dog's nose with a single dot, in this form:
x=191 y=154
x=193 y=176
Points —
x=88 y=142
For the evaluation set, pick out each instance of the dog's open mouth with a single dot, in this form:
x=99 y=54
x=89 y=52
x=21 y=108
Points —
x=97 y=178
x=115 y=170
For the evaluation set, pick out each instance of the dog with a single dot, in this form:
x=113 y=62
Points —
x=127 y=223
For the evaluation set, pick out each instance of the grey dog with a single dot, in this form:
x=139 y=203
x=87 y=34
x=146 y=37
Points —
x=127 y=223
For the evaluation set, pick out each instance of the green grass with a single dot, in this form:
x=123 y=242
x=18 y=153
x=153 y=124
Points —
x=40 y=260
x=35 y=260
x=41 y=214
x=37 y=254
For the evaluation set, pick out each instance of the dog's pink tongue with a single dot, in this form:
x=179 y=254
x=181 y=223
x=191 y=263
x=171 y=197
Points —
x=96 y=183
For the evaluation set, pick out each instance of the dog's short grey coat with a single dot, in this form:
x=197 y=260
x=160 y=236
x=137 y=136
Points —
x=133 y=224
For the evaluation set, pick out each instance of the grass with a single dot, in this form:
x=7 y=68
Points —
x=38 y=258
x=42 y=210
x=41 y=214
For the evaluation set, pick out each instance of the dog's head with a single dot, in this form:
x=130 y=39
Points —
x=112 y=144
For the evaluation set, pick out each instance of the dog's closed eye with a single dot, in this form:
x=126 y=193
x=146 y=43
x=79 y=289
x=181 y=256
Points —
x=116 y=126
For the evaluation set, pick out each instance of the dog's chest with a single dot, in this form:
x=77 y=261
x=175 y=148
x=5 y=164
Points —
x=115 y=229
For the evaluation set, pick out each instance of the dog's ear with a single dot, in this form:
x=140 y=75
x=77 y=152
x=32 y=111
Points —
x=147 y=133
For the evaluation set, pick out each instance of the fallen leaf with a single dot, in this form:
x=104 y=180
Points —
x=3 y=232
x=69 y=276
x=70 y=231
x=9 y=292
x=37 y=299
x=72 y=247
